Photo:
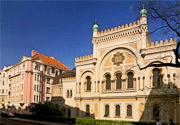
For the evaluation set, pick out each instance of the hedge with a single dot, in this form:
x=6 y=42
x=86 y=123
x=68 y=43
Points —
x=79 y=121
x=86 y=121
x=48 y=118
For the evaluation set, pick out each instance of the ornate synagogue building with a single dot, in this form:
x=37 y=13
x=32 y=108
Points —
x=113 y=83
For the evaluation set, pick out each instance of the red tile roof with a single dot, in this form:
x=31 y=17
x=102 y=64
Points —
x=50 y=61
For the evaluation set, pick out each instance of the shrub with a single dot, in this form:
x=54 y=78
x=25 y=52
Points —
x=47 y=108
x=85 y=121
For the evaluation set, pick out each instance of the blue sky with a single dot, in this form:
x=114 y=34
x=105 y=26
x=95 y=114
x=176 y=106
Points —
x=59 y=29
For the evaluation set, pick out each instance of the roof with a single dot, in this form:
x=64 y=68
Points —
x=71 y=73
x=50 y=61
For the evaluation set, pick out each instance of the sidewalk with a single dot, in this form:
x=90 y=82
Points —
x=37 y=121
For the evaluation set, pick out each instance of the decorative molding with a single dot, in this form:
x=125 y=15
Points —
x=118 y=58
x=84 y=58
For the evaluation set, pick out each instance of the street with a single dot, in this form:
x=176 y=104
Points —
x=6 y=121
x=19 y=121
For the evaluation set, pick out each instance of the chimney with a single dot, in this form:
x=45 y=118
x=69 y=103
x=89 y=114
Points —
x=51 y=57
x=33 y=52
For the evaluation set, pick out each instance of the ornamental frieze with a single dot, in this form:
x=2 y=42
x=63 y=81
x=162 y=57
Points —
x=118 y=58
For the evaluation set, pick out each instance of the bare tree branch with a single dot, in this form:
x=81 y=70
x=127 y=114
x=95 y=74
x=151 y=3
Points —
x=165 y=20
x=158 y=29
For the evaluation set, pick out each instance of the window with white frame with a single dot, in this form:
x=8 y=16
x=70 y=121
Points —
x=48 y=80
x=48 y=70
x=34 y=87
x=37 y=87
x=47 y=98
x=48 y=90
x=69 y=93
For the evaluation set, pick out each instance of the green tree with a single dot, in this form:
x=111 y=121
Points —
x=48 y=108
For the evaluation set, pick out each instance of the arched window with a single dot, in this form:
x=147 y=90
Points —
x=88 y=79
x=118 y=81
x=130 y=80
x=156 y=110
x=129 y=111
x=37 y=67
x=87 y=110
x=156 y=77
x=67 y=94
x=108 y=82
x=117 y=110
x=106 y=110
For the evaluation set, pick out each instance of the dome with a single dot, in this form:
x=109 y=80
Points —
x=143 y=12
x=95 y=27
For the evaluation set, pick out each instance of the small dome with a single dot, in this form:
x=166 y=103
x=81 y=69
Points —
x=95 y=27
x=143 y=12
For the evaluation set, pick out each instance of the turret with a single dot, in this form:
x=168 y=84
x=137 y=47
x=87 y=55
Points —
x=144 y=28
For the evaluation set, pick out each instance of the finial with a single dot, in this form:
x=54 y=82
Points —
x=95 y=21
x=143 y=5
x=95 y=26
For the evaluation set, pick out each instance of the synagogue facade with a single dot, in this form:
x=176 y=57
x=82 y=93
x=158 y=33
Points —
x=114 y=84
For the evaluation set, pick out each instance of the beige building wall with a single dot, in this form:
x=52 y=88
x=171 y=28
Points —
x=69 y=92
x=4 y=88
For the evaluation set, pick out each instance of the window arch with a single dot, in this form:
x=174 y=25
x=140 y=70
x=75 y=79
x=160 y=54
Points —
x=156 y=77
x=118 y=81
x=87 y=110
x=106 y=110
x=117 y=110
x=130 y=80
x=37 y=67
x=88 y=80
x=129 y=111
x=108 y=82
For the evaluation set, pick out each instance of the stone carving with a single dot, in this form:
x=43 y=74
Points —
x=118 y=58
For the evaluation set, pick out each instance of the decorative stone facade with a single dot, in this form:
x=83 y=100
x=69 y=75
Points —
x=119 y=90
